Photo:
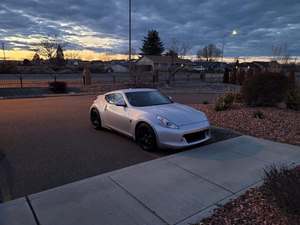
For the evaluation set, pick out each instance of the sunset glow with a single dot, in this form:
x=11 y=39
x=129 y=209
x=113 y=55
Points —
x=99 y=29
x=88 y=55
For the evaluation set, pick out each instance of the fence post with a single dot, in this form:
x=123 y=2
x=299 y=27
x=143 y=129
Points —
x=114 y=80
x=153 y=79
x=187 y=76
x=21 y=80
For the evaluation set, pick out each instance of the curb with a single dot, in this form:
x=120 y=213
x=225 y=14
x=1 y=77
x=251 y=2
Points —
x=46 y=96
x=95 y=93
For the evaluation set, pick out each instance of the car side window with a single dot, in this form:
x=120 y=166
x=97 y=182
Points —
x=114 y=98
x=109 y=98
x=118 y=99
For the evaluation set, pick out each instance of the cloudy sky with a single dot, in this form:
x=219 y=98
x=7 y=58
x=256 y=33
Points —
x=96 y=26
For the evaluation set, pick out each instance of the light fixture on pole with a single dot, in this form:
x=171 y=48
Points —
x=233 y=33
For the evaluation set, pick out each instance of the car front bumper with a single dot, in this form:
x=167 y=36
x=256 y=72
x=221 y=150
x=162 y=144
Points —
x=176 y=138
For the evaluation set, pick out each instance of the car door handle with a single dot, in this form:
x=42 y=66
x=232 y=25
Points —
x=105 y=107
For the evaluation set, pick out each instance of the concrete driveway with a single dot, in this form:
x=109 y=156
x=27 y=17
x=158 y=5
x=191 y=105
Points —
x=177 y=189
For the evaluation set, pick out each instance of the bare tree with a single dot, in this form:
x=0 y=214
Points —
x=280 y=53
x=181 y=48
x=51 y=48
x=174 y=46
x=48 y=47
x=185 y=48
x=199 y=55
x=210 y=52
x=72 y=55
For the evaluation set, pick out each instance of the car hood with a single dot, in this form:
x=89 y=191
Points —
x=177 y=113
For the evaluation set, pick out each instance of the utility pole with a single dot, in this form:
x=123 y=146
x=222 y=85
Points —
x=3 y=49
x=129 y=52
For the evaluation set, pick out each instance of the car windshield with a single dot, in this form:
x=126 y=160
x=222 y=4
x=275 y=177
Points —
x=147 y=98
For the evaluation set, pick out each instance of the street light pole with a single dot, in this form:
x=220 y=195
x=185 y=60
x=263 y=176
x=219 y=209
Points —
x=223 y=46
x=233 y=33
x=129 y=52
x=3 y=49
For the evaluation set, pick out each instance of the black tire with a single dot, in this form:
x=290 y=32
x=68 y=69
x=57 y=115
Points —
x=95 y=119
x=145 y=137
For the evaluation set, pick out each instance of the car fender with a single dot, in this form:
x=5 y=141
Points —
x=99 y=104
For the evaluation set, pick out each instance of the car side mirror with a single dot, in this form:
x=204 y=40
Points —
x=121 y=104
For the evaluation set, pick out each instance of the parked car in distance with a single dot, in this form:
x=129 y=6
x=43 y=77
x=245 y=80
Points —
x=150 y=118
x=198 y=69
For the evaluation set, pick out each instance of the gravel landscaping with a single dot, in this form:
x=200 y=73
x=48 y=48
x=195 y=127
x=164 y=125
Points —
x=275 y=124
x=256 y=207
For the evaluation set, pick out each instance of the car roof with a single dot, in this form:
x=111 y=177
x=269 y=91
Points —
x=131 y=90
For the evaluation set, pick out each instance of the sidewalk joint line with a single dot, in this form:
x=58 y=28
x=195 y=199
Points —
x=139 y=201
x=197 y=175
x=32 y=210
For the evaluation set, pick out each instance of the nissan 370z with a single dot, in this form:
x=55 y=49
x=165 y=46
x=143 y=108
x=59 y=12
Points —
x=150 y=118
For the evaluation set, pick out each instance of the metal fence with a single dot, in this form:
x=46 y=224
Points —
x=43 y=80
x=76 y=80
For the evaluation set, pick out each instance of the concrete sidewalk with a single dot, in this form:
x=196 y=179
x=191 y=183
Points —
x=178 y=189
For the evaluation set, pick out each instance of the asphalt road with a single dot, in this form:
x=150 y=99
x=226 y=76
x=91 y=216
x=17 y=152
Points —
x=48 y=142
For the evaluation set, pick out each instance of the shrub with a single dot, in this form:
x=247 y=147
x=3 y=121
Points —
x=283 y=185
x=58 y=87
x=224 y=102
x=2 y=156
x=226 y=76
x=205 y=102
x=293 y=99
x=258 y=115
x=240 y=77
x=265 y=89
x=8 y=67
x=292 y=79
x=238 y=98
x=232 y=78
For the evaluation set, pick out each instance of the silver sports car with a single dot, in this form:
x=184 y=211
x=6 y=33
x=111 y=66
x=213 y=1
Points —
x=150 y=118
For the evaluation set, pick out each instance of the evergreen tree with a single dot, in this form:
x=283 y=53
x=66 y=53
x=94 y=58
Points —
x=60 y=59
x=152 y=45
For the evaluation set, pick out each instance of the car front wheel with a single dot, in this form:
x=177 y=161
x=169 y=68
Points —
x=145 y=137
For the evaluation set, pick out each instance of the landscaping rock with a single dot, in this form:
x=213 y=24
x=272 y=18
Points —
x=280 y=125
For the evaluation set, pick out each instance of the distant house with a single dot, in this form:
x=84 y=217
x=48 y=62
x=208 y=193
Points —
x=97 y=66
x=259 y=66
x=272 y=66
x=74 y=62
x=246 y=66
x=161 y=63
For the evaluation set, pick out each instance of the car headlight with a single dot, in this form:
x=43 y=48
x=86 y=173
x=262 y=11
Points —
x=166 y=123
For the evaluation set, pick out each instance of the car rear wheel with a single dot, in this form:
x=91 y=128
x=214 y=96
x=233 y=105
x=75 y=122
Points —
x=95 y=119
x=145 y=137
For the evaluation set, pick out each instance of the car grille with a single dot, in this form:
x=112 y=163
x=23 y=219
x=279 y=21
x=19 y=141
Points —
x=197 y=136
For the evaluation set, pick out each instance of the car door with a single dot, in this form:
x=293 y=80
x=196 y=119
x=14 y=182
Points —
x=116 y=115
